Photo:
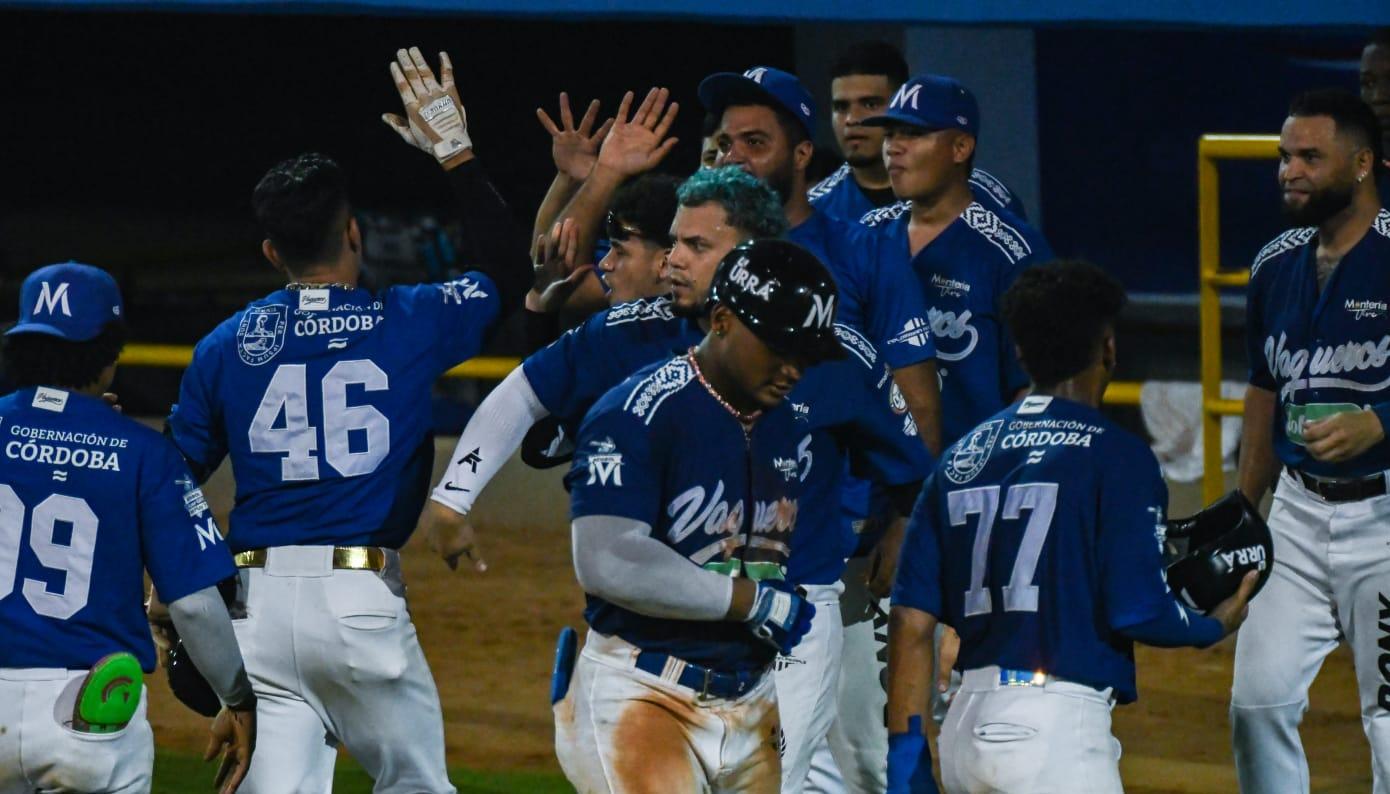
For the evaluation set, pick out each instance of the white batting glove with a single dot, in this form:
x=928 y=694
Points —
x=435 y=120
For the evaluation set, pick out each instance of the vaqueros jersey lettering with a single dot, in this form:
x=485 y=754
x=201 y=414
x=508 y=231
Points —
x=89 y=501
x=1322 y=353
x=660 y=449
x=840 y=197
x=964 y=273
x=1038 y=539
x=849 y=410
x=322 y=398
x=878 y=296
x=571 y=373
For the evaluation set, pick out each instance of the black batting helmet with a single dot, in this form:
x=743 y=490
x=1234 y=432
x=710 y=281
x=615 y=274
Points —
x=1207 y=554
x=783 y=294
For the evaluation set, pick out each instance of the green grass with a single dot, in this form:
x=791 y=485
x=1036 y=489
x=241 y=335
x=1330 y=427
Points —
x=176 y=773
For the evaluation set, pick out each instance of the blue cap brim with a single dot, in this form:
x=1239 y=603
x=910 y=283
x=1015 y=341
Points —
x=899 y=117
x=42 y=328
x=722 y=89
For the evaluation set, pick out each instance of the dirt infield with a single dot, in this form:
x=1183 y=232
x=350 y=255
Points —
x=490 y=642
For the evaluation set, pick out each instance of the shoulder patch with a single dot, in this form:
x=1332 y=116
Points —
x=647 y=396
x=885 y=214
x=1003 y=236
x=261 y=333
x=991 y=184
x=640 y=310
x=967 y=458
x=857 y=344
x=1288 y=241
x=822 y=188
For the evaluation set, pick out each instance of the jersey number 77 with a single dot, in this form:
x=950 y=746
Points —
x=1040 y=499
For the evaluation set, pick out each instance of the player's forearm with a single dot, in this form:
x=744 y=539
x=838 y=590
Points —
x=619 y=561
x=493 y=433
x=590 y=203
x=909 y=665
x=562 y=189
x=1258 y=468
x=497 y=245
x=1176 y=627
x=922 y=392
x=202 y=621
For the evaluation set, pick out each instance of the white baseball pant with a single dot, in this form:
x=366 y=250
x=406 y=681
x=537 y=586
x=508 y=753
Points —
x=39 y=750
x=1331 y=579
x=621 y=730
x=1049 y=739
x=333 y=658
x=808 y=686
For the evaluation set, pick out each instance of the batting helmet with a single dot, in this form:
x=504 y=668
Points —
x=783 y=294
x=1207 y=554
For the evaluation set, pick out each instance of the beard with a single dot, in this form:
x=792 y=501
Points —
x=780 y=179
x=1320 y=205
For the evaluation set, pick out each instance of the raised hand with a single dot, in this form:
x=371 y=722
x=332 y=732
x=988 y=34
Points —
x=556 y=276
x=639 y=143
x=574 y=149
x=435 y=120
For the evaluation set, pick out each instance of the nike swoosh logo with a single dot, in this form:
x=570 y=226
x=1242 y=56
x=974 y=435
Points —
x=448 y=486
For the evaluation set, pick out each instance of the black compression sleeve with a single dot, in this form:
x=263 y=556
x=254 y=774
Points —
x=500 y=248
x=903 y=496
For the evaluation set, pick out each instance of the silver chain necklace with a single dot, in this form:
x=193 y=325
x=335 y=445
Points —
x=299 y=285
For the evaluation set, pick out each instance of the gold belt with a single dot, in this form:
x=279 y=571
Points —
x=345 y=558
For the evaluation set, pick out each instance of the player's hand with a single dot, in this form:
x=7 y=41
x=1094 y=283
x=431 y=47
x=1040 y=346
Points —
x=233 y=735
x=435 y=121
x=112 y=399
x=781 y=616
x=450 y=534
x=639 y=143
x=556 y=275
x=574 y=149
x=1343 y=436
x=946 y=653
x=883 y=560
x=1233 y=610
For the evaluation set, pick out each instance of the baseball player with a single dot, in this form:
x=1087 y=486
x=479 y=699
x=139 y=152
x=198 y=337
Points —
x=1375 y=91
x=684 y=496
x=863 y=80
x=320 y=392
x=1038 y=538
x=767 y=119
x=89 y=500
x=1316 y=409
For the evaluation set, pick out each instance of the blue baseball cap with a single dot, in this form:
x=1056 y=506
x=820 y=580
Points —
x=756 y=86
x=932 y=102
x=70 y=301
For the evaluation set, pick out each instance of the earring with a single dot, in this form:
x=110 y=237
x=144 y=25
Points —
x=1361 y=179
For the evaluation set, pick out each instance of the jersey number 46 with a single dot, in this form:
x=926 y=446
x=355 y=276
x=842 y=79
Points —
x=298 y=440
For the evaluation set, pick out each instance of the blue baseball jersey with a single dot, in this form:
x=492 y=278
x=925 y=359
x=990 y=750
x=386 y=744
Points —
x=90 y=500
x=851 y=412
x=661 y=449
x=1038 y=539
x=840 y=197
x=571 y=373
x=322 y=399
x=1326 y=352
x=878 y=295
x=964 y=273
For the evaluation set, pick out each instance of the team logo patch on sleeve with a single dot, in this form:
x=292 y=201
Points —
x=605 y=463
x=461 y=289
x=968 y=457
x=261 y=334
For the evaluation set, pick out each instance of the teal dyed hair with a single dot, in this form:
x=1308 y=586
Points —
x=753 y=207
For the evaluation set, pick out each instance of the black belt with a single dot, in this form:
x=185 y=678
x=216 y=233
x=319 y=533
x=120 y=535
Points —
x=1349 y=490
x=706 y=682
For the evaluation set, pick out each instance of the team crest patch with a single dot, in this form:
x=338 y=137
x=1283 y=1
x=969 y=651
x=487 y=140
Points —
x=261 y=334
x=969 y=456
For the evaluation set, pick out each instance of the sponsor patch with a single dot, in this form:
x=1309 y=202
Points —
x=313 y=300
x=54 y=400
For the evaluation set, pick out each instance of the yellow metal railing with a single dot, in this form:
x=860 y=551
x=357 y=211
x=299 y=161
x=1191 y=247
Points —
x=178 y=356
x=1210 y=149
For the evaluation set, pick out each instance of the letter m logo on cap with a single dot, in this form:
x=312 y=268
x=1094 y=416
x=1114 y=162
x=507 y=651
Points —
x=756 y=74
x=906 y=96
x=51 y=299
x=822 y=312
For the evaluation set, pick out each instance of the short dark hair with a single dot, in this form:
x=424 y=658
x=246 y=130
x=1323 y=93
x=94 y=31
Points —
x=1058 y=314
x=300 y=204
x=871 y=57
x=43 y=360
x=1349 y=114
x=647 y=203
x=791 y=125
